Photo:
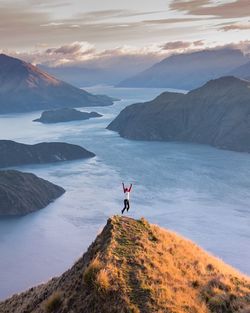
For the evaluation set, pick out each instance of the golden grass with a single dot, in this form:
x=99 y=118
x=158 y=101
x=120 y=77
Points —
x=159 y=271
x=53 y=302
x=136 y=267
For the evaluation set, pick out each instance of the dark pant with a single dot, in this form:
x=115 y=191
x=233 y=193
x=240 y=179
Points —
x=126 y=205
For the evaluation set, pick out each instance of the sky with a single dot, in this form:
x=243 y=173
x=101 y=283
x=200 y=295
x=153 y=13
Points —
x=56 y=32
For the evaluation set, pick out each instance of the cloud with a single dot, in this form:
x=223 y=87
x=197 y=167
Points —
x=228 y=9
x=181 y=45
x=84 y=54
x=73 y=50
x=235 y=26
x=199 y=43
x=243 y=45
x=171 y=21
x=101 y=15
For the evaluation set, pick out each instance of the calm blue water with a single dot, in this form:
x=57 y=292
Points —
x=198 y=191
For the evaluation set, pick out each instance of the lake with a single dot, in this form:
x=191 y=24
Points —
x=198 y=191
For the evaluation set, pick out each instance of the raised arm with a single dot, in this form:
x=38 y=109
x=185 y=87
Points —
x=123 y=187
x=130 y=187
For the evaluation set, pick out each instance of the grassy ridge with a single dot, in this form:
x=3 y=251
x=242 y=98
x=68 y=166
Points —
x=136 y=267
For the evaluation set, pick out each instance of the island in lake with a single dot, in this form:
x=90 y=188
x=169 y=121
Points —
x=23 y=193
x=65 y=115
x=14 y=153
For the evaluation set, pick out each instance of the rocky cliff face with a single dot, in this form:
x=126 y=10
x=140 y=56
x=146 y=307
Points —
x=133 y=266
x=65 y=115
x=14 y=153
x=217 y=114
x=24 y=87
x=23 y=193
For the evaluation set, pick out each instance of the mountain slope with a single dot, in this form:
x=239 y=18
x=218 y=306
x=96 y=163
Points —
x=217 y=114
x=188 y=70
x=133 y=266
x=242 y=71
x=15 y=153
x=24 y=87
x=23 y=193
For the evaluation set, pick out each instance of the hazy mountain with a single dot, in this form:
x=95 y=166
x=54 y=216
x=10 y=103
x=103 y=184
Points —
x=24 y=87
x=188 y=70
x=65 y=115
x=242 y=71
x=102 y=70
x=217 y=114
x=23 y=193
x=134 y=266
x=82 y=76
x=14 y=153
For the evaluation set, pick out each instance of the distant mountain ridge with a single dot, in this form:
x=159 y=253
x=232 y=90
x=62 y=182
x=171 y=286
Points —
x=24 y=87
x=23 y=193
x=216 y=114
x=188 y=70
x=242 y=71
x=15 y=153
x=137 y=267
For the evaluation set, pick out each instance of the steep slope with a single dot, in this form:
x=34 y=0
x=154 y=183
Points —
x=15 y=153
x=217 y=114
x=188 y=70
x=24 y=87
x=65 y=115
x=23 y=193
x=136 y=267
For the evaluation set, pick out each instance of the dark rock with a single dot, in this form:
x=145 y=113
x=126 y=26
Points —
x=217 y=114
x=23 y=193
x=13 y=153
x=65 y=115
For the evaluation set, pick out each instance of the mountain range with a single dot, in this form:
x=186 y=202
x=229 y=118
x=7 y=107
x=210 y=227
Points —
x=188 y=70
x=217 y=114
x=136 y=267
x=24 y=87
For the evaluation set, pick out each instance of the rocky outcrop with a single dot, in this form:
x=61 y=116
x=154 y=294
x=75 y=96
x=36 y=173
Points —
x=14 y=153
x=134 y=266
x=24 y=87
x=23 y=193
x=217 y=114
x=65 y=115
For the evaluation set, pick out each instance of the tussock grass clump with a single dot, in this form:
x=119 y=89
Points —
x=89 y=275
x=53 y=303
x=102 y=281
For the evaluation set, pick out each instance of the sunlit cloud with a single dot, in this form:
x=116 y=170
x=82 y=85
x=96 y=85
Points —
x=228 y=9
x=180 y=45
x=235 y=26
